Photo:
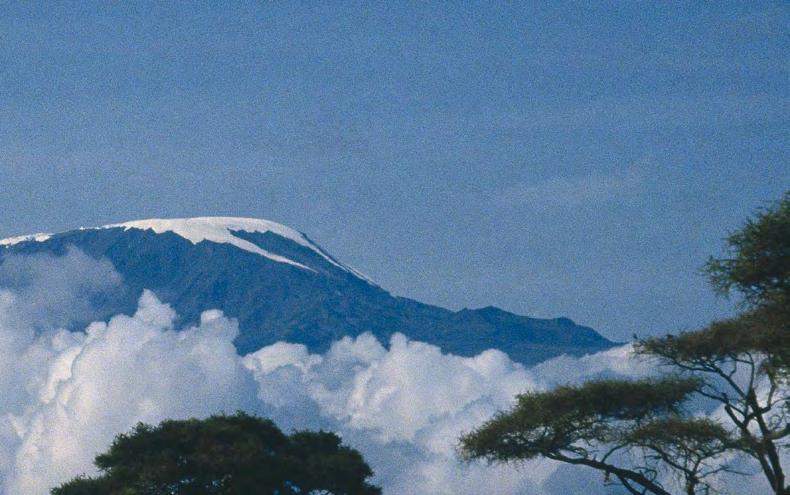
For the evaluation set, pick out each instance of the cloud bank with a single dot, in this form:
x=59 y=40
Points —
x=64 y=395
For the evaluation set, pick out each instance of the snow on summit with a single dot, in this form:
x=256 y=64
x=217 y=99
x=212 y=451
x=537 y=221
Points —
x=220 y=230
x=10 y=241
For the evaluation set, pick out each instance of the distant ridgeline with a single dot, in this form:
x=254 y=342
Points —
x=283 y=287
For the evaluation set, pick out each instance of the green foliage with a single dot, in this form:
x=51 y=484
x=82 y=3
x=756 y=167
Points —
x=685 y=436
x=85 y=486
x=763 y=331
x=550 y=423
x=755 y=344
x=327 y=465
x=758 y=265
x=634 y=430
x=228 y=455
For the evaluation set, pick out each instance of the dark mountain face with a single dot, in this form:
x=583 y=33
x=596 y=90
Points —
x=296 y=292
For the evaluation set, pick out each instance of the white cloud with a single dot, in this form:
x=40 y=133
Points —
x=65 y=395
x=134 y=368
x=55 y=291
x=405 y=405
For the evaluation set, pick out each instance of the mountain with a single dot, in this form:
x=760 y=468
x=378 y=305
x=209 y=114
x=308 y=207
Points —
x=280 y=285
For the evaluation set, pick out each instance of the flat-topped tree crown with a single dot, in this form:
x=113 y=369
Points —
x=621 y=428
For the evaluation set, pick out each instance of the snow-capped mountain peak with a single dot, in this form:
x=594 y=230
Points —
x=221 y=230
x=281 y=286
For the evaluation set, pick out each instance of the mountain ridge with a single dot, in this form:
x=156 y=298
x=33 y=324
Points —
x=281 y=285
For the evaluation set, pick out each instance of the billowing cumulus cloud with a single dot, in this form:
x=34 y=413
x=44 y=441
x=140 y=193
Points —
x=64 y=395
x=53 y=291
x=131 y=369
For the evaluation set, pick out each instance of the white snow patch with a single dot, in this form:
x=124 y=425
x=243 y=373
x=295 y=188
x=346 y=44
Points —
x=10 y=241
x=220 y=230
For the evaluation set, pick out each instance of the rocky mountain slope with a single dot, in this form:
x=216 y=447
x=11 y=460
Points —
x=280 y=285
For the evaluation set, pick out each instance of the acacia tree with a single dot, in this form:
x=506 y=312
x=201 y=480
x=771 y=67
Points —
x=744 y=361
x=632 y=431
x=638 y=432
x=225 y=455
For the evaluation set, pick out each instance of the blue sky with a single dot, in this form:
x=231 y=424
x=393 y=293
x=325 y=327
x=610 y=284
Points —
x=551 y=159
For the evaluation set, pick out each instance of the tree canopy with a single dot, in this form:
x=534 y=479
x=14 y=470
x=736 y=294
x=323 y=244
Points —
x=757 y=264
x=598 y=423
x=638 y=433
x=227 y=455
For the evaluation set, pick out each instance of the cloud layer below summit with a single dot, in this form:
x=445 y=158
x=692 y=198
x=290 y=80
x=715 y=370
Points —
x=66 y=394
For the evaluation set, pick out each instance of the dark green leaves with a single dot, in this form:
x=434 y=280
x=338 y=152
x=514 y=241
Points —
x=226 y=455
x=544 y=423
x=758 y=265
x=635 y=430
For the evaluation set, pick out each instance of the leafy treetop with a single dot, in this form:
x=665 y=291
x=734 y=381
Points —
x=227 y=455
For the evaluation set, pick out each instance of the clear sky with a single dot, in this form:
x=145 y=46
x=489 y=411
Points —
x=552 y=159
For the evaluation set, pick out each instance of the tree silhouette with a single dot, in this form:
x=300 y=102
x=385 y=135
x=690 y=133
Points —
x=227 y=455
x=638 y=432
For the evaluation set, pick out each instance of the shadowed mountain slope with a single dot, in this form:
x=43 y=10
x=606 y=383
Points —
x=282 y=286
